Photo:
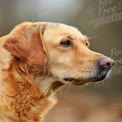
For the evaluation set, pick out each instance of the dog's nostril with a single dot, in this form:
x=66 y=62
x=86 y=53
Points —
x=106 y=62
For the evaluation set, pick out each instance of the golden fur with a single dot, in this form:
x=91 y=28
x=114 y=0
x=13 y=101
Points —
x=33 y=66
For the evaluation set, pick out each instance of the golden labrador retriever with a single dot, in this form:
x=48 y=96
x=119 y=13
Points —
x=36 y=59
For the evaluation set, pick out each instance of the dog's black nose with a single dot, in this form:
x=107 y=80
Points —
x=106 y=62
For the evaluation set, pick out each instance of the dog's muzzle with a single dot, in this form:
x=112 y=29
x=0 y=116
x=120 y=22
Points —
x=104 y=66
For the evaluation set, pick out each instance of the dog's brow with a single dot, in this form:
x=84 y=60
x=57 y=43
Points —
x=86 y=38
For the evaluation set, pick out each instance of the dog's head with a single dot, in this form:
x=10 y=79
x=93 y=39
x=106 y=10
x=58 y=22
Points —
x=70 y=59
x=61 y=49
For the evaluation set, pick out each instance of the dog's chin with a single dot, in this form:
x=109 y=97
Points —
x=96 y=77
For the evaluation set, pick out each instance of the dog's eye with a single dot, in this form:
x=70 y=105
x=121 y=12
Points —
x=66 y=43
x=87 y=43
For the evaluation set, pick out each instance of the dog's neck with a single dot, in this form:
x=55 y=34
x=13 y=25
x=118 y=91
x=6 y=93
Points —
x=27 y=84
x=39 y=77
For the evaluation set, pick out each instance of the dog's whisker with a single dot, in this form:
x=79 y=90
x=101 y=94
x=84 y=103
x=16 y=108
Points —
x=61 y=93
x=67 y=90
x=91 y=37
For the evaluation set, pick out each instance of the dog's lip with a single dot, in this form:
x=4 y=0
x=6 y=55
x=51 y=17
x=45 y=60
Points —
x=99 y=78
x=88 y=80
x=92 y=79
x=81 y=81
x=69 y=79
x=102 y=75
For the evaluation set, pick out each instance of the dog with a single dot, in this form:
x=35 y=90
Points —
x=37 y=59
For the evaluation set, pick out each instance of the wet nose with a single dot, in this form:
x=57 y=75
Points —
x=106 y=62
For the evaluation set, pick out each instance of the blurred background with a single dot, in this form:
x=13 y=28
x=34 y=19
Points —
x=101 y=21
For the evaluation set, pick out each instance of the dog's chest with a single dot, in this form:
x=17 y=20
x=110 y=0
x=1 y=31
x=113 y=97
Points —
x=27 y=104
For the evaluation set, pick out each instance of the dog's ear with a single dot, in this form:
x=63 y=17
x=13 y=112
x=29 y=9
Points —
x=25 y=42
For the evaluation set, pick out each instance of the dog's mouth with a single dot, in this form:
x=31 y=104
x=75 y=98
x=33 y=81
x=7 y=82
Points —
x=69 y=79
x=99 y=75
